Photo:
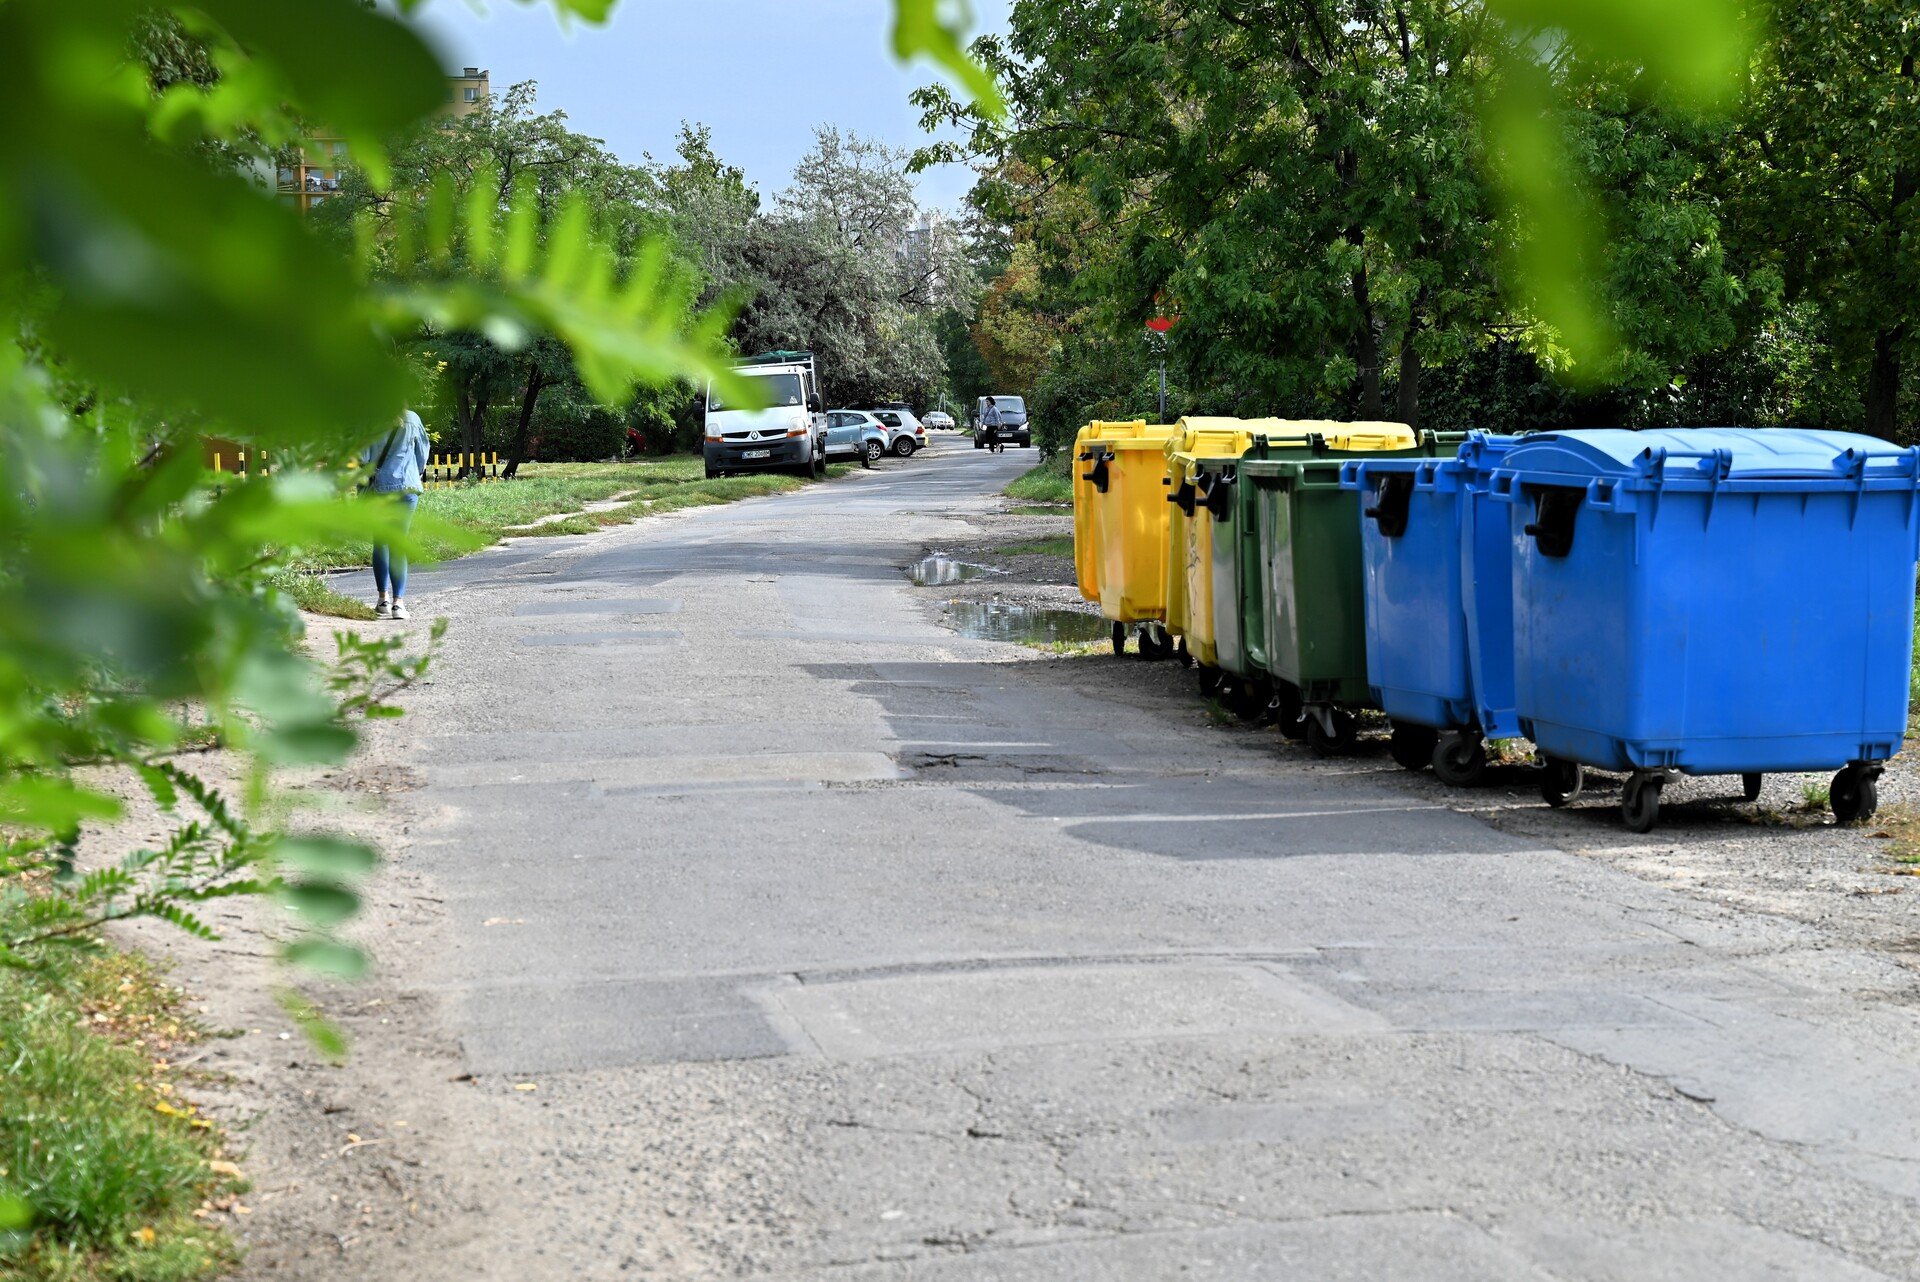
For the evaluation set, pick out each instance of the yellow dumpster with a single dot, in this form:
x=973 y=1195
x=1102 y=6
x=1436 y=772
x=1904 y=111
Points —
x=1119 y=528
x=1189 y=541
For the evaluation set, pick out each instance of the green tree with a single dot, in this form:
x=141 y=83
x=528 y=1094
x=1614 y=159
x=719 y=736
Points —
x=1825 y=178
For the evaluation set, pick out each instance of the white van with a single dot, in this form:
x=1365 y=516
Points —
x=789 y=435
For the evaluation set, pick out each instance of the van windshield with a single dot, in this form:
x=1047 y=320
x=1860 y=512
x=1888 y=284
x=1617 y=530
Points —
x=1005 y=403
x=779 y=389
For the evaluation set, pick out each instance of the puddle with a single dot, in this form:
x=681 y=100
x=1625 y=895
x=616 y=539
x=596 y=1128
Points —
x=938 y=571
x=1043 y=509
x=1006 y=621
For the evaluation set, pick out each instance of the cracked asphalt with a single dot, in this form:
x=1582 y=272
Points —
x=783 y=933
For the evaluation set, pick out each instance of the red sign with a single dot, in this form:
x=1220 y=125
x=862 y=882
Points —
x=1160 y=324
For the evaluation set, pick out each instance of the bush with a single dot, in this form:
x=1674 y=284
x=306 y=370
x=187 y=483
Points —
x=570 y=428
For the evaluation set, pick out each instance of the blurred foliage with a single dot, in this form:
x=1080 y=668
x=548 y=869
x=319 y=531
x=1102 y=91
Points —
x=158 y=293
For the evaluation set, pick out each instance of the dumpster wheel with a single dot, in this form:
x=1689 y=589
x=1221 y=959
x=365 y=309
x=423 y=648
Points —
x=1119 y=638
x=1155 y=643
x=1411 y=746
x=1286 y=710
x=1460 y=759
x=1330 y=731
x=1184 y=655
x=1854 y=794
x=1561 y=781
x=1640 y=801
x=1750 y=786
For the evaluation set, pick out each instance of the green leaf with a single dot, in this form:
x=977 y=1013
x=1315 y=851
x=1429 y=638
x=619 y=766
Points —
x=53 y=805
x=321 y=1031
x=327 y=957
x=1699 y=49
x=331 y=857
x=315 y=744
x=317 y=904
x=1557 y=255
x=16 y=1216
x=16 y=1213
x=346 y=63
x=919 y=29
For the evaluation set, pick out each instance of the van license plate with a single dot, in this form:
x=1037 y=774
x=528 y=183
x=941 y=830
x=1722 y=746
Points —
x=756 y=454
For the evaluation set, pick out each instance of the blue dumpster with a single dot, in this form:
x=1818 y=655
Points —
x=1713 y=601
x=1438 y=584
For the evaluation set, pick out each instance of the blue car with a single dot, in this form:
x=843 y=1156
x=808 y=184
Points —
x=855 y=434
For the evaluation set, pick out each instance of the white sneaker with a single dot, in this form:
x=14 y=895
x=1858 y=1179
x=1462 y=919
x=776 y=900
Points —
x=400 y=610
x=381 y=610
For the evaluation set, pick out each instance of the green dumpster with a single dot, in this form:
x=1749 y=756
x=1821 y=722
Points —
x=1303 y=614
x=1238 y=676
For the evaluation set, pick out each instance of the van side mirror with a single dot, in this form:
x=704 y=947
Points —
x=813 y=403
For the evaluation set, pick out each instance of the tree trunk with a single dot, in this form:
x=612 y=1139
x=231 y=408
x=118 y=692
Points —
x=471 y=413
x=1367 y=348
x=1883 y=375
x=1407 y=397
x=530 y=397
x=1883 y=384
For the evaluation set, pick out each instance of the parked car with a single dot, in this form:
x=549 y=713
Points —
x=1013 y=422
x=905 y=434
x=904 y=410
x=786 y=436
x=855 y=434
x=939 y=420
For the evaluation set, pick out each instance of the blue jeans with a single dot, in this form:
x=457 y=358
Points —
x=388 y=565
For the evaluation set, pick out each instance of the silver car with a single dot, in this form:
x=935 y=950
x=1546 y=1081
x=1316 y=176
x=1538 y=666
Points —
x=904 y=433
x=855 y=434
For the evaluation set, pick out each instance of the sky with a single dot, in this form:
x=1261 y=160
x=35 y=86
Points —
x=761 y=73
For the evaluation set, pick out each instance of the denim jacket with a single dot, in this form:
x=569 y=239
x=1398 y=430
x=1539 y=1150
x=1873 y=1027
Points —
x=405 y=462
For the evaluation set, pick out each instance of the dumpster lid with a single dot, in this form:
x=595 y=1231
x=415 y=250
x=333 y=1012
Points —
x=1707 y=455
x=1133 y=435
x=1209 y=438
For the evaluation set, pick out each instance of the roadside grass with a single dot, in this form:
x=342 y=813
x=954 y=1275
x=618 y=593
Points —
x=1913 y=674
x=455 y=520
x=119 y=1169
x=1048 y=482
x=312 y=593
x=1042 y=547
x=1070 y=649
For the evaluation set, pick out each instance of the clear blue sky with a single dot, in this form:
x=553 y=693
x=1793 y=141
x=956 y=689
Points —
x=761 y=73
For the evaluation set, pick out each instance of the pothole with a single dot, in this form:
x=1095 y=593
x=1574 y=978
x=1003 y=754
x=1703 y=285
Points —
x=939 y=570
x=1011 y=621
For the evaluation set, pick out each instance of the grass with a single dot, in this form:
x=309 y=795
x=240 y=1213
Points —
x=1043 y=547
x=1069 y=649
x=122 y=1174
x=1049 y=482
x=458 y=519
x=312 y=593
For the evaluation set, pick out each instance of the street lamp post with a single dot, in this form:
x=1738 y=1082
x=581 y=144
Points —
x=1159 y=325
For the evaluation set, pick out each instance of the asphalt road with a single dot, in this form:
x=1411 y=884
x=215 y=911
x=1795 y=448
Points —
x=831 y=945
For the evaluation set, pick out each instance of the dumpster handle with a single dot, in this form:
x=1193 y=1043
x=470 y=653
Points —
x=1220 y=498
x=1554 y=510
x=1098 y=475
x=1653 y=461
x=1393 y=500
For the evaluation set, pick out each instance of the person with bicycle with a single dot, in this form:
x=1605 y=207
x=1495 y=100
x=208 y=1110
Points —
x=990 y=426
